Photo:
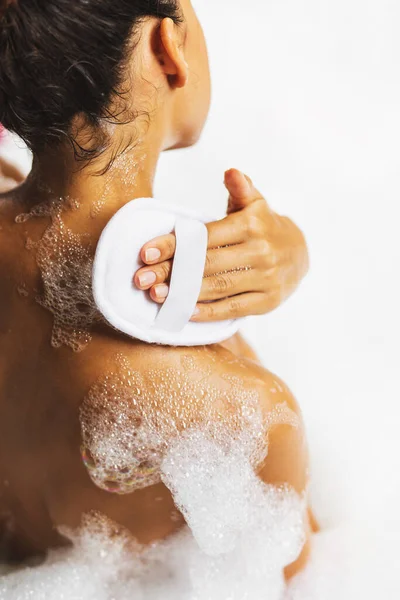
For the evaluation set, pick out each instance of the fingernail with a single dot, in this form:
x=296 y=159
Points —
x=161 y=291
x=152 y=254
x=147 y=278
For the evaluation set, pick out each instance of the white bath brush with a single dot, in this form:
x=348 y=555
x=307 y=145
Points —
x=131 y=310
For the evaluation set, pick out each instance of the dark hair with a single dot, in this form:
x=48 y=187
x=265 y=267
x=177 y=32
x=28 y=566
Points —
x=60 y=58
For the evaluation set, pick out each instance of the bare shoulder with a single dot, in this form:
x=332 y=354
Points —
x=191 y=384
x=140 y=399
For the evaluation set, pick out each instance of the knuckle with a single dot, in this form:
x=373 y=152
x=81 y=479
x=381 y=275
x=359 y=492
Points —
x=254 y=226
x=234 y=307
x=210 y=311
x=164 y=271
x=169 y=246
x=273 y=258
x=263 y=249
x=209 y=262
x=221 y=284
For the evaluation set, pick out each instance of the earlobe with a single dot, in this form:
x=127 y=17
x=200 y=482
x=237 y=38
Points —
x=171 y=54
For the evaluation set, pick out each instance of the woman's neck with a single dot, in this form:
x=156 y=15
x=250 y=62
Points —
x=98 y=189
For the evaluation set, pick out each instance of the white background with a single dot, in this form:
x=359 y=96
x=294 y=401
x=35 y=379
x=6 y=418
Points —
x=307 y=101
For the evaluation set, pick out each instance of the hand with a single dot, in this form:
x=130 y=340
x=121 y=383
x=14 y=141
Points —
x=255 y=258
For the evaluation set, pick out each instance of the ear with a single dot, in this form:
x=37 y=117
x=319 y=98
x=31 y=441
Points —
x=171 y=55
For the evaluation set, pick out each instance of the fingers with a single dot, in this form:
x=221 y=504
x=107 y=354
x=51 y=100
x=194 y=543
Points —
x=232 y=308
x=221 y=264
x=233 y=229
x=232 y=258
x=159 y=293
x=238 y=184
x=147 y=277
x=240 y=281
x=241 y=190
x=236 y=263
x=228 y=284
x=226 y=232
x=158 y=250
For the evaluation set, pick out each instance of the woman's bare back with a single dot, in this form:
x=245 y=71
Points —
x=48 y=396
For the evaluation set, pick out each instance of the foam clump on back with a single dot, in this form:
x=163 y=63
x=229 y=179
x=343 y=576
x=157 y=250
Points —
x=345 y=563
x=95 y=568
x=65 y=262
x=243 y=532
x=105 y=564
x=224 y=501
x=129 y=419
x=247 y=532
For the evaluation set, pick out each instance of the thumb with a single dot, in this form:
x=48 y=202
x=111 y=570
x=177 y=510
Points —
x=241 y=190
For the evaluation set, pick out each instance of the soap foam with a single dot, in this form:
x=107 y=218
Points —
x=244 y=533
x=130 y=419
x=125 y=168
x=65 y=262
x=105 y=563
x=70 y=574
x=120 y=448
x=346 y=563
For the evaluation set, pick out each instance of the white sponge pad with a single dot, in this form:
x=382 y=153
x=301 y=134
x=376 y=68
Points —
x=131 y=310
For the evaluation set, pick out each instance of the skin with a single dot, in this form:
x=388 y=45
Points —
x=10 y=176
x=43 y=482
x=272 y=251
